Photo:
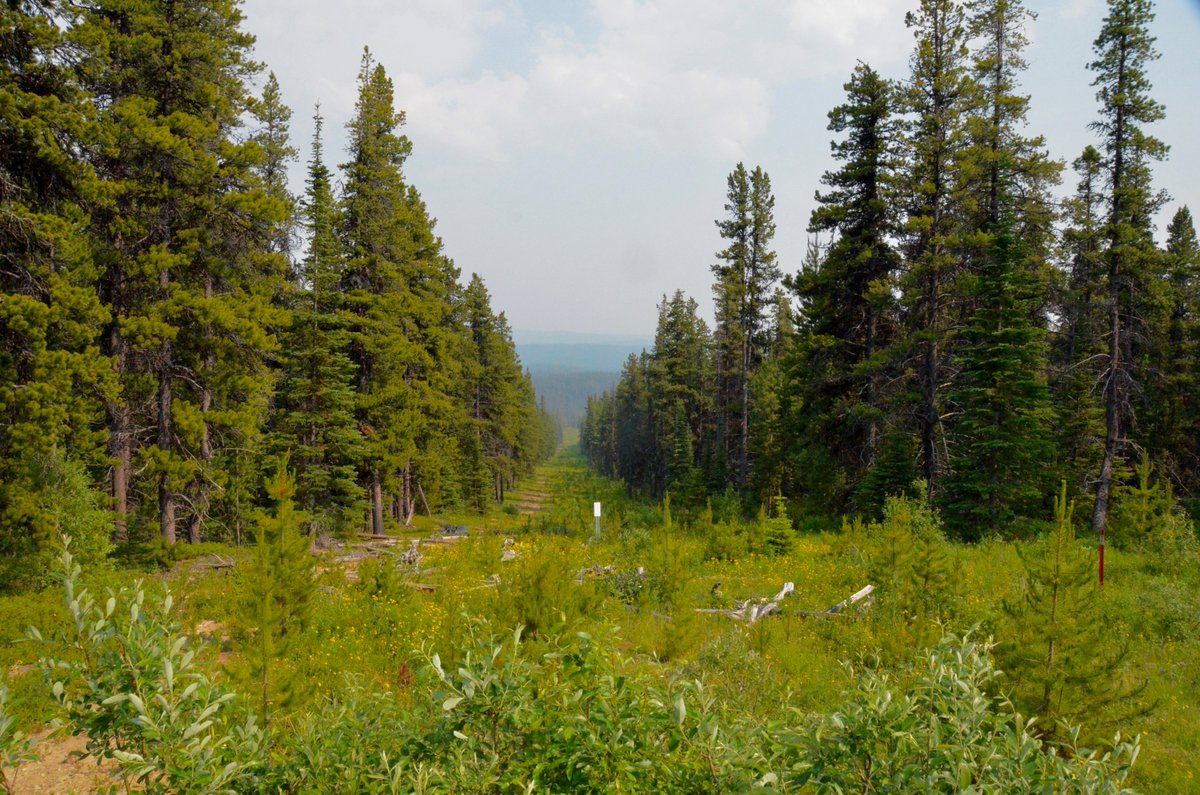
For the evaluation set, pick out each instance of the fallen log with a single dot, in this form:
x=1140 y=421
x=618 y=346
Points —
x=752 y=610
x=860 y=599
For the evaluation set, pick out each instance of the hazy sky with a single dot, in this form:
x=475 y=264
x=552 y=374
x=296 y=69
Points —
x=575 y=153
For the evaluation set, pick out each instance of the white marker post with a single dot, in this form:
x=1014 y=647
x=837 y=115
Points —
x=596 y=513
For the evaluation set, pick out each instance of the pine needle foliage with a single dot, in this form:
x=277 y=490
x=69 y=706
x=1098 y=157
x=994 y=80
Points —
x=1062 y=660
x=276 y=595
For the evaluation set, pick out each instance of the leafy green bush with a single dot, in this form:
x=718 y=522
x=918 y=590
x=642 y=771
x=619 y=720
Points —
x=723 y=542
x=60 y=500
x=942 y=732
x=16 y=747
x=568 y=713
x=539 y=591
x=126 y=679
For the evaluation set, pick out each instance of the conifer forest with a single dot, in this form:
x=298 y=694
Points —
x=281 y=511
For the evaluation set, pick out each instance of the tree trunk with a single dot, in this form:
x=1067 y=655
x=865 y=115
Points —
x=1113 y=386
x=203 y=484
x=166 y=496
x=376 y=503
x=120 y=441
x=930 y=416
x=119 y=444
x=408 y=494
x=1112 y=403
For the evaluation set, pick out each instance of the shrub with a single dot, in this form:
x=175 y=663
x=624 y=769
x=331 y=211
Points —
x=1059 y=652
x=129 y=682
x=15 y=747
x=942 y=732
x=722 y=542
x=61 y=502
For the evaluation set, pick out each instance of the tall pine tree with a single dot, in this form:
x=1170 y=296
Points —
x=314 y=412
x=1000 y=458
x=1124 y=50
x=53 y=377
x=190 y=290
x=745 y=279
x=940 y=95
x=848 y=317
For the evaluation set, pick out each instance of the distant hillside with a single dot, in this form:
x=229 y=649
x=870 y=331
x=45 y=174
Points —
x=574 y=357
x=566 y=393
x=567 y=367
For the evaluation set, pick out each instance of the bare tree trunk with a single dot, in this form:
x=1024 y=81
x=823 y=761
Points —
x=120 y=440
x=119 y=444
x=744 y=441
x=408 y=494
x=376 y=503
x=1112 y=403
x=166 y=496
x=424 y=501
x=203 y=484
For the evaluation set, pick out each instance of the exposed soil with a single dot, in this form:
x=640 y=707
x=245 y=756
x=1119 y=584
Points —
x=531 y=500
x=60 y=769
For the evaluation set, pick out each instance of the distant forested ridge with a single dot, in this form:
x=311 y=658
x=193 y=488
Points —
x=955 y=327
x=165 y=332
x=565 y=394
x=567 y=368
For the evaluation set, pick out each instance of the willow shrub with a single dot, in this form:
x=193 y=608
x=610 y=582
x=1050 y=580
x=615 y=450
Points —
x=569 y=713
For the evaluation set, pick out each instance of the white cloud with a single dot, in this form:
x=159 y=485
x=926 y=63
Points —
x=315 y=46
x=694 y=75
x=475 y=116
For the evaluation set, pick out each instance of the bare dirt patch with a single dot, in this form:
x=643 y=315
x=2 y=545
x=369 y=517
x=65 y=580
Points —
x=60 y=769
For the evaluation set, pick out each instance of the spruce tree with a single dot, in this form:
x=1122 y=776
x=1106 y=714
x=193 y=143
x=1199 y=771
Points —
x=1000 y=455
x=1060 y=661
x=745 y=278
x=940 y=95
x=848 y=319
x=378 y=244
x=1174 y=432
x=680 y=381
x=1124 y=50
x=634 y=445
x=1077 y=348
x=429 y=325
x=314 y=411
x=1002 y=449
x=497 y=405
x=54 y=379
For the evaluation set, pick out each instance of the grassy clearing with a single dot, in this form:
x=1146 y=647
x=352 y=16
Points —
x=543 y=572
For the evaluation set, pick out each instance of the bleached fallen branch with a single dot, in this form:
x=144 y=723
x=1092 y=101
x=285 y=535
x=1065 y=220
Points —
x=860 y=599
x=751 y=610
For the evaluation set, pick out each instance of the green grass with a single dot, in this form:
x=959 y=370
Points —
x=380 y=630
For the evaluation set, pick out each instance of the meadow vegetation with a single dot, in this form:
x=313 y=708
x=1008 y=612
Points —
x=531 y=656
